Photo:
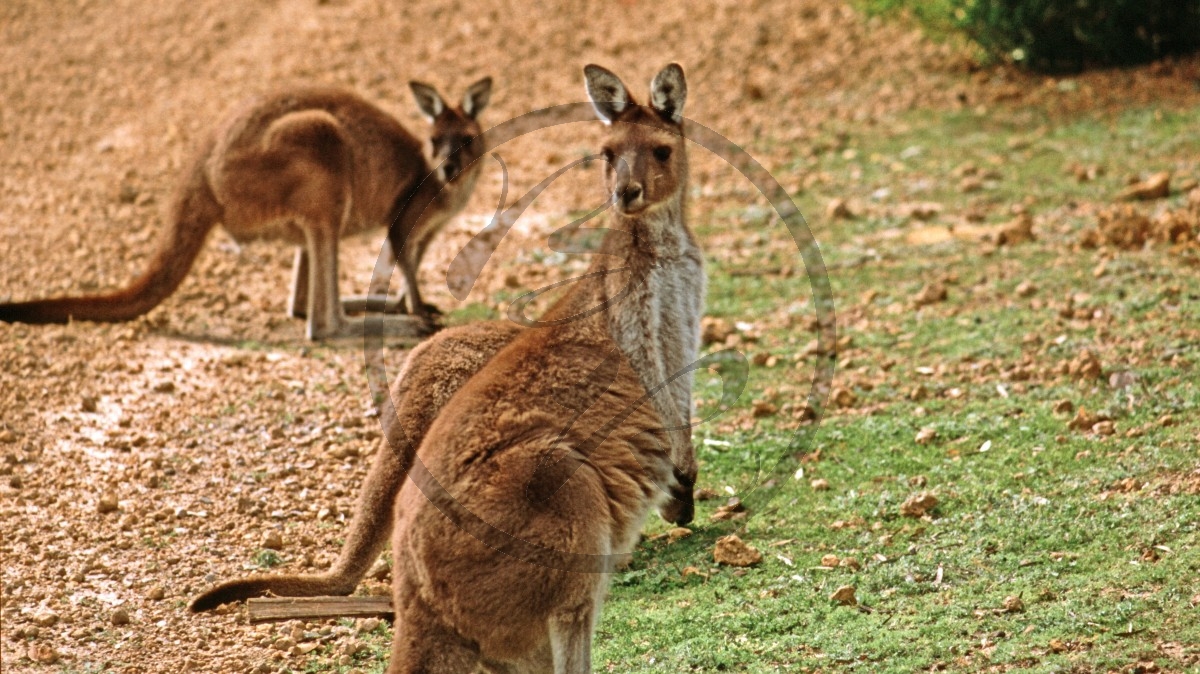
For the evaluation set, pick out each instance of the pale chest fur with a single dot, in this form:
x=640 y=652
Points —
x=658 y=326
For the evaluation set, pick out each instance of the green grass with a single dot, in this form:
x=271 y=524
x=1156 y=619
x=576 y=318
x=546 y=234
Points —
x=1042 y=514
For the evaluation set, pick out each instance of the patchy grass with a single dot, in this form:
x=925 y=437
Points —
x=1051 y=549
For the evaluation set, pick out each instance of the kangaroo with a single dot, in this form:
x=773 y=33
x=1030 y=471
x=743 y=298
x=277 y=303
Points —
x=307 y=166
x=506 y=531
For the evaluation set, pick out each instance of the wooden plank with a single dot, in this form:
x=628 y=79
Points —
x=272 y=609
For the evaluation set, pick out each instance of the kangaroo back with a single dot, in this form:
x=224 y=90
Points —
x=194 y=211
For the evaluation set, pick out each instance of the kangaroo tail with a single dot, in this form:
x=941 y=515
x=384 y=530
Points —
x=368 y=534
x=433 y=372
x=194 y=211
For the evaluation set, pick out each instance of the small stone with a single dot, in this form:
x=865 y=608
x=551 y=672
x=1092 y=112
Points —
x=925 y=436
x=108 y=503
x=1104 y=428
x=838 y=209
x=931 y=293
x=164 y=387
x=272 y=540
x=1064 y=407
x=1157 y=186
x=764 y=408
x=120 y=617
x=829 y=560
x=919 y=504
x=47 y=619
x=819 y=484
x=369 y=625
x=156 y=593
x=731 y=551
x=380 y=571
x=850 y=563
x=7 y=436
x=1026 y=289
x=714 y=330
x=677 y=533
x=1013 y=604
x=844 y=595
x=42 y=654
x=88 y=403
x=844 y=397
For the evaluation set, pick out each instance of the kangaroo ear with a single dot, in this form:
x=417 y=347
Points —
x=608 y=94
x=428 y=99
x=668 y=92
x=477 y=97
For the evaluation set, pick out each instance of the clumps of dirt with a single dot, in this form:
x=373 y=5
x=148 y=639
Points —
x=732 y=551
x=919 y=504
x=1126 y=227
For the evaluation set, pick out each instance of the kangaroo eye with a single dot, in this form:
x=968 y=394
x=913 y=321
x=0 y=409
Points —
x=662 y=153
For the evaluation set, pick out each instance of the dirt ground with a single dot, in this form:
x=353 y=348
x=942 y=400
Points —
x=143 y=461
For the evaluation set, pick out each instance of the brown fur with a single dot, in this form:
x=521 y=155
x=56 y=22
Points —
x=307 y=166
x=536 y=475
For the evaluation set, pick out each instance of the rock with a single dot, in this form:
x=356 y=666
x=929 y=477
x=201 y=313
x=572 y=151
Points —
x=819 y=484
x=850 y=563
x=156 y=593
x=1013 y=604
x=1019 y=230
x=1085 y=421
x=838 y=209
x=829 y=560
x=164 y=387
x=272 y=540
x=42 y=654
x=844 y=595
x=88 y=404
x=1026 y=289
x=925 y=436
x=119 y=617
x=380 y=571
x=46 y=619
x=1085 y=366
x=932 y=293
x=1157 y=186
x=677 y=533
x=368 y=625
x=731 y=551
x=919 y=504
x=844 y=397
x=764 y=408
x=108 y=503
x=714 y=330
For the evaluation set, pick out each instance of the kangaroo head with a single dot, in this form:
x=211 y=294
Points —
x=645 y=156
x=452 y=138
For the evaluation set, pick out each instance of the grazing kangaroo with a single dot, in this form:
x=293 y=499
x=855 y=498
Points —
x=308 y=166
x=510 y=521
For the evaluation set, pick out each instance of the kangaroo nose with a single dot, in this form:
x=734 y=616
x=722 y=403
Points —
x=631 y=194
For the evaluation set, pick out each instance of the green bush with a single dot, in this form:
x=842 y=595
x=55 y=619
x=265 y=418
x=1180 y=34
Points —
x=1059 y=35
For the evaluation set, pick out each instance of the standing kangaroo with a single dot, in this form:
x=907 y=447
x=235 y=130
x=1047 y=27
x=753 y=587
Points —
x=509 y=525
x=308 y=166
